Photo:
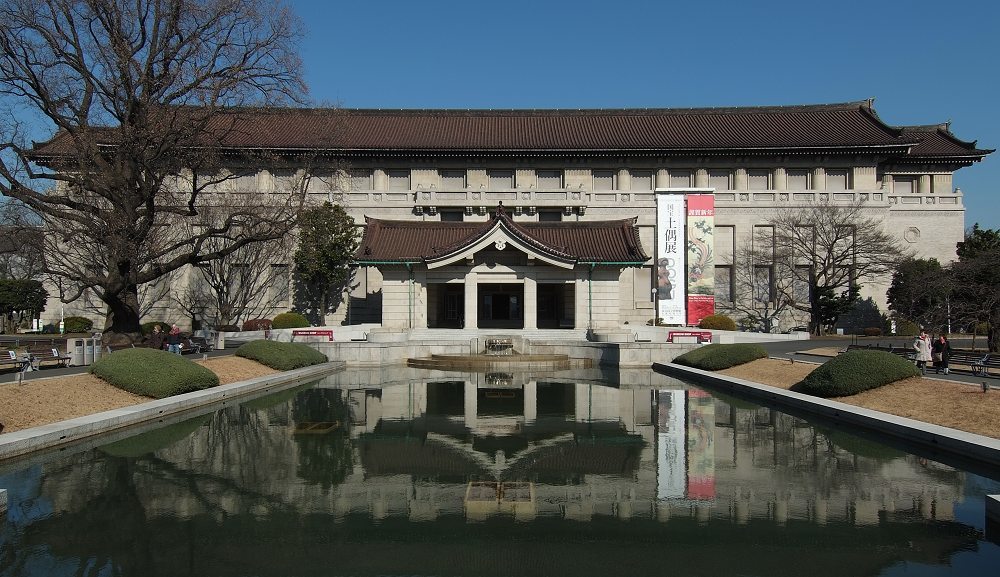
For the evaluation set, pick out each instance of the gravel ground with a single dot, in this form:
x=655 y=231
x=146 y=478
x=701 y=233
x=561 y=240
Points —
x=951 y=404
x=44 y=401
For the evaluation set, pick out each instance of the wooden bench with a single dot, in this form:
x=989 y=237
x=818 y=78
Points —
x=978 y=362
x=11 y=359
x=328 y=333
x=47 y=355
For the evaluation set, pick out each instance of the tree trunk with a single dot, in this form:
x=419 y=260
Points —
x=123 y=315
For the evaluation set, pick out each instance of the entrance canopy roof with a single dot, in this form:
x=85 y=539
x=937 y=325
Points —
x=562 y=244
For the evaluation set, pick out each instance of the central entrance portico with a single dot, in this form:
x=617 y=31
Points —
x=500 y=274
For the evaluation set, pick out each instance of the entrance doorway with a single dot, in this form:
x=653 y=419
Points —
x=556 y=306
x=501 y=306
x=445 y=306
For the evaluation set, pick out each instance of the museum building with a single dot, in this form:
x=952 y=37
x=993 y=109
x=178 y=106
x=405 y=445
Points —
x=531 y=219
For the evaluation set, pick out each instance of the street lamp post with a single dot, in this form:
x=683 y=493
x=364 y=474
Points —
x=656 y=309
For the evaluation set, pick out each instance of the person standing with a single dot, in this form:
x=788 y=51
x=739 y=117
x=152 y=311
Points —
x=156 y=338
x=922 y=351
x=940 y=351
x=174 y=340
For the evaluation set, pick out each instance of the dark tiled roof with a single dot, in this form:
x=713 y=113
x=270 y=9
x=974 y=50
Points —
x=937 y=141
x=421 y=241
x=852 y=125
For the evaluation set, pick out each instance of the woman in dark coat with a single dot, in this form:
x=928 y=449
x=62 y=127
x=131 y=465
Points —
x=940 y=351
x=156 y=338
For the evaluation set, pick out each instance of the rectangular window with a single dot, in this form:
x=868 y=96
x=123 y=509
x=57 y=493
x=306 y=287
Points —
x=837 y=179
x=798 y=179
x=903 y=184
x=453 y=180
x=452 y=216
x=501 y=179
x=605 y=180
x=399 y=180
x=801 y=283
x=549 y=216
x=681 y=179
x=323 y=181
x=642 y=180
x=361 y=179
x=763 y=283
x=759 y=179
x=549 y=179
x=285 y=180
x=719 y=179
x=279 y=284
x=724 y=283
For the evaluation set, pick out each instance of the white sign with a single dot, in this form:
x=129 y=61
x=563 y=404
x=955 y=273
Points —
x=671 y=279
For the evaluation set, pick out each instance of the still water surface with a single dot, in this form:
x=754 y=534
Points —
x=429 y=473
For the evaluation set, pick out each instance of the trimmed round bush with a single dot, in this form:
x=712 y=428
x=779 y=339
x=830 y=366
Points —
x=257 y=325
x=281 y=356
x=153 y=373
x=289 y=321
x=77 y=324
x=716 y=357
x=855 y=371
x=717 y=322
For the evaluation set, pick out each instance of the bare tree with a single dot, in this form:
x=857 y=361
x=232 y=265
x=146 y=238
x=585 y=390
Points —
x=764 y=287
x=20 y=243
x=831 y=249
x=142 y=96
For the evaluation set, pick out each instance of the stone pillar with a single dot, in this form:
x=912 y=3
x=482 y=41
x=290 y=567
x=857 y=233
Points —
x=581 y=299
x=530 y=401
x=624 y=179
x=472 y=300
x=471 y=404
x=924 y=184
x=740 y=181
x=780 y=178
x=662 y=178
x=380 y=181
x=530 y=307
x=819 y=178
x=701 y=178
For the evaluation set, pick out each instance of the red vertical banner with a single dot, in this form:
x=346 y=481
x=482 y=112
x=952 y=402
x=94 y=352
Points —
x=700 y=445
x=701 y=257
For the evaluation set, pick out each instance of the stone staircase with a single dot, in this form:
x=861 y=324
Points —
x=466 y=335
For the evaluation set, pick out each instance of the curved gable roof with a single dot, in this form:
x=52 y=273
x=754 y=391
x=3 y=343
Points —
x=399 y=241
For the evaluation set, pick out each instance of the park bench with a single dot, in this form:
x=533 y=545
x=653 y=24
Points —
x=11 y=359
x=39 y=355
x=201 y=343
x=979 y=362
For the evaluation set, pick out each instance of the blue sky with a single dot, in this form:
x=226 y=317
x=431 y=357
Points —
x=923 y=62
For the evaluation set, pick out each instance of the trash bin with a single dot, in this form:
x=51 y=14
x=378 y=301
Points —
x=97 y=348
x=75 y=351
x=88 y=351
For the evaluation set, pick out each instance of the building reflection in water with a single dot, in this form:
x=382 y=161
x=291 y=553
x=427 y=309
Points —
x=436 y=447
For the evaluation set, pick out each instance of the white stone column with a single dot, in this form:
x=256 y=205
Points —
x=740 y=181
x=924 y=184
x=624 y=179
x=471 y=300
x=471 y=404
x=530 y=307
x=819 y=178
x=662 y=178
x=380 y=181
x=530 y=401
x=701 y=178
x=780 y=178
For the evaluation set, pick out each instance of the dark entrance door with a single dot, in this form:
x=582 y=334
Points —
x=500 y=306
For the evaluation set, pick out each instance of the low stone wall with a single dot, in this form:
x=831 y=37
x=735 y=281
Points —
x=368 y=354
x=934 y=437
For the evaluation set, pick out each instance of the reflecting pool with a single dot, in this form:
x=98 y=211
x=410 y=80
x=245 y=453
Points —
x=410 y=472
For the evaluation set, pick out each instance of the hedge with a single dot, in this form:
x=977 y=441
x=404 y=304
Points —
x=77 y=324
x=153 y=373
x=281 y=356
x=718 y=322
x=257 y=325
x=855 y=371
x=716 y=357
x=289 y=321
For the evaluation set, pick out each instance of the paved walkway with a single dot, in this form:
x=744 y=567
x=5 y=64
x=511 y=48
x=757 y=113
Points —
x=48 y=371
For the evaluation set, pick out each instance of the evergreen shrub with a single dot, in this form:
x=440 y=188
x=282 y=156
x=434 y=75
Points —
x=290 y=321
x=905 y=328
x=257 y=325
x=77 y=324
x=153 y=373
x=718 y=322
x=716 y=357
x=855 y=371
x=281 y=356
x=227 y=328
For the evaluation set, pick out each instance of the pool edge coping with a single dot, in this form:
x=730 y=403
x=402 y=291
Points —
x=938 y=437
x=25 y=441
